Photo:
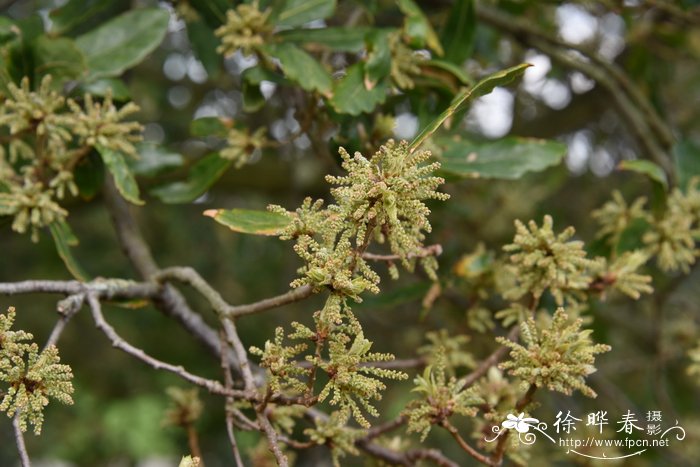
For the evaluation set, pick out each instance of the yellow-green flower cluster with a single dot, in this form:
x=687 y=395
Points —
x=185 y=407
x=351 y=379
x=280 y=361
x=32 y=206
x=32 y=376
x=246 y=29
x=387 y=192
x=334 y=433
x=449 y=349
x=102 y=124
x=616 y=215
x=669 y=236
x=441 y=397
x=622 y=275
x=332 y=267
x=189 y=461
x=672 y=237
x=543 y=260
x=558 y=357
x=381 y=198
x=242 y=144
x=405 y=63
x=47 y=136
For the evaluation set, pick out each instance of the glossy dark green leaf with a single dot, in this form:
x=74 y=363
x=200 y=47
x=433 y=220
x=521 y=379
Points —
x=350 y=96
x=204 y=44
x=458 y=34
x=75 y=13
x=212 y=11
x=253 y=98
x=124 y=41
x=64 y=238
x=154 y=159
x=89 y=175
x=648 y=168
x=300 y=12
x=506 y=158
x=123 y=177
x=258 y=74
x=301 y=67
x=210 y=126
x=250 y=221
x=418 y=28
x=340 y=39
x=454 y=70
x=483 y=87
x=203 y=174
x=58 y=57
x=686 y=155
x=17 y=57
x=378 y=62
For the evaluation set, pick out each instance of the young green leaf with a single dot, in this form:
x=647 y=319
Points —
x=301 y=67
x=204 y=43
x=212 y=11
x=154 y=159
x=483 y=87
x=506 y=158
x=64 y=238
x=58 y=57
x=250 y=221
x=124 y=41
x=350 y=96
x=340 y=39
x=209 y=126
x=648 y=168
x=89 y=175
x=300 y=12
x=378 y=63
x=74 y=13
x=418 y=28
x=459 y=32
x=123 y=178
x=202 y=175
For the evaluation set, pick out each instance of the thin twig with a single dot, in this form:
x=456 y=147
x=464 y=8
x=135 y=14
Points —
x=67 y=308
x=463 y=443
x=387 y=365
x=193 y=442
x=432 y=250
x=106 y=289
x=490 y=361
x=212 y=386
x=228 y=408
x=19 y=440
x=249 y=383
x=523 y=402
x=169 y=301
x=386 y=427
x=189 y=276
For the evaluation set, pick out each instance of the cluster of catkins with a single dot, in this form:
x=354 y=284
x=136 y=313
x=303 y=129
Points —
x=43 y=137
